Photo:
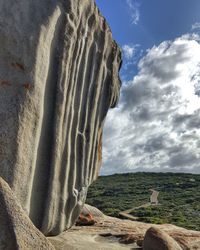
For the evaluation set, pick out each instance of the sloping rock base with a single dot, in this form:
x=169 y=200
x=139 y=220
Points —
x=17 y=232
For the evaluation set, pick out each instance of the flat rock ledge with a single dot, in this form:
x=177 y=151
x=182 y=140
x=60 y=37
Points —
x=116 y=234
x=17 y=232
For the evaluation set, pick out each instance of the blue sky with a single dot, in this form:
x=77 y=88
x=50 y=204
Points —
x=158 y=20
x=156 y=125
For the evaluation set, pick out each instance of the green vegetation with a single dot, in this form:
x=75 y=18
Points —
x=179 y=197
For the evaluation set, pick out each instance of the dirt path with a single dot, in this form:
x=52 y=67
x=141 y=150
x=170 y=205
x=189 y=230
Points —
x=126 y=214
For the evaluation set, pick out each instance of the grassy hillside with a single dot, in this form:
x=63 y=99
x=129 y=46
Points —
x=179 y=197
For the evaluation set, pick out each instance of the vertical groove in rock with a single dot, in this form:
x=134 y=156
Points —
x=62 y=92
x=44 y=151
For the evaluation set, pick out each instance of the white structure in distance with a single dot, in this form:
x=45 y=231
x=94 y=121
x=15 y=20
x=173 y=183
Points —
x=154 y=197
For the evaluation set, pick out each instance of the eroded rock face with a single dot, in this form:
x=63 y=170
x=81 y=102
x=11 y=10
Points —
x=58 y=77
x=17 y=231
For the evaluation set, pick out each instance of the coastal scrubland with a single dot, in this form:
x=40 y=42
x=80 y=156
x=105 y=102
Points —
x=179 y=197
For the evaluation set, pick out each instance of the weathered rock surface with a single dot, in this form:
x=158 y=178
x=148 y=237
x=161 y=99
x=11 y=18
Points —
x=95 y=212
x=17 y=232
x=58 y=77
x=108 y=232
x=155 y=239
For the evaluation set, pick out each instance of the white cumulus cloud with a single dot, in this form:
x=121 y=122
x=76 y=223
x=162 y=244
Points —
x=156 y=126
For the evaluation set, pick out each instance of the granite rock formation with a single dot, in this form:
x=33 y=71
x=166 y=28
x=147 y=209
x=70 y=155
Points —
x=58 y=78
x=17 y=230
x=155 y=239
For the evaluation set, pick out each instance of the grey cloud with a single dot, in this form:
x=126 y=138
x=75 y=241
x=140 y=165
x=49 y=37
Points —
x=180 y=119
x=188 y=121
x=164 y=67
x=143 y=114
x=194 y=122
x=163 y=73
x=133 y=95
x=183 y=159
x=174 y=149
x=155 y=144
x=191 y=137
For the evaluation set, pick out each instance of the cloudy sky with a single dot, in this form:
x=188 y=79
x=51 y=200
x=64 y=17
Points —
x=156 y=125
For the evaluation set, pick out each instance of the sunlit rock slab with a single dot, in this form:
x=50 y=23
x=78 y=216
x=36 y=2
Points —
x=108 y=231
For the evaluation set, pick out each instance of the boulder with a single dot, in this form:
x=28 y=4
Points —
x=58 y=78
x=17 y=230
x=155 y=239
x=95 y=212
